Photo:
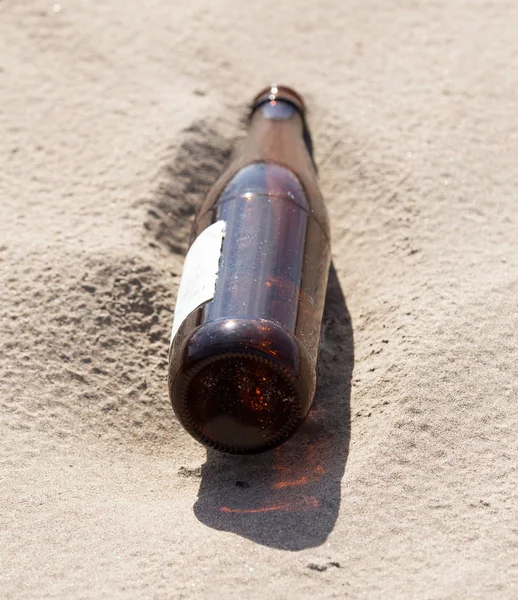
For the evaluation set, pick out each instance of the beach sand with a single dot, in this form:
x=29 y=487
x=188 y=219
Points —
x=116 y=117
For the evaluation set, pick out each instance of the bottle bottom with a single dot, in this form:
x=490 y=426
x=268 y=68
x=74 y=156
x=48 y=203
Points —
x=239 y=403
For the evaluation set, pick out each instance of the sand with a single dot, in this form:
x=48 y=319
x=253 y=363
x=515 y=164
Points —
x=116 y=116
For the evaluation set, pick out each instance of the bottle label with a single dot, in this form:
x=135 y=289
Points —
x=200 y=273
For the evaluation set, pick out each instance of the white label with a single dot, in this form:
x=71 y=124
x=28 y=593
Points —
x=200 y=273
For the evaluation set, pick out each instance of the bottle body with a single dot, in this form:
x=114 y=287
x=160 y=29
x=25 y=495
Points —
x=244 y=348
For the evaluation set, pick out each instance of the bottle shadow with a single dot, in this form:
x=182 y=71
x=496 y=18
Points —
x=289 y=498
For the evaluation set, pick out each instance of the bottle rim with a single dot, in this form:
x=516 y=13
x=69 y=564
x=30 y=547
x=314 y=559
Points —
x=279 y=92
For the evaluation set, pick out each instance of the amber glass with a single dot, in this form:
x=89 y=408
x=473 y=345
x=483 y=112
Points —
x=243 y=365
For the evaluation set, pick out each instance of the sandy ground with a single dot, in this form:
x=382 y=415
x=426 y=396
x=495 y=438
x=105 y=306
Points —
x=115 y=118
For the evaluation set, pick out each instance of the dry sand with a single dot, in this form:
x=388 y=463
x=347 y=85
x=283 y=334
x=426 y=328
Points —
x=115 y=117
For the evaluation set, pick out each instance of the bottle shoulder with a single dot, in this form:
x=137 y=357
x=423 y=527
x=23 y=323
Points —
x=268 y=179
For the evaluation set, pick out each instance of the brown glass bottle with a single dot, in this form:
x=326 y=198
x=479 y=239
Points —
x=247 y=322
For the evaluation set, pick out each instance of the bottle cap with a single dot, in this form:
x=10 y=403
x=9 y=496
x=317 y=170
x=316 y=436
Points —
x=279 y=92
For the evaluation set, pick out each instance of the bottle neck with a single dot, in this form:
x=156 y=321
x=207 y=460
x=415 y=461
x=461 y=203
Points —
x=276 y=131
